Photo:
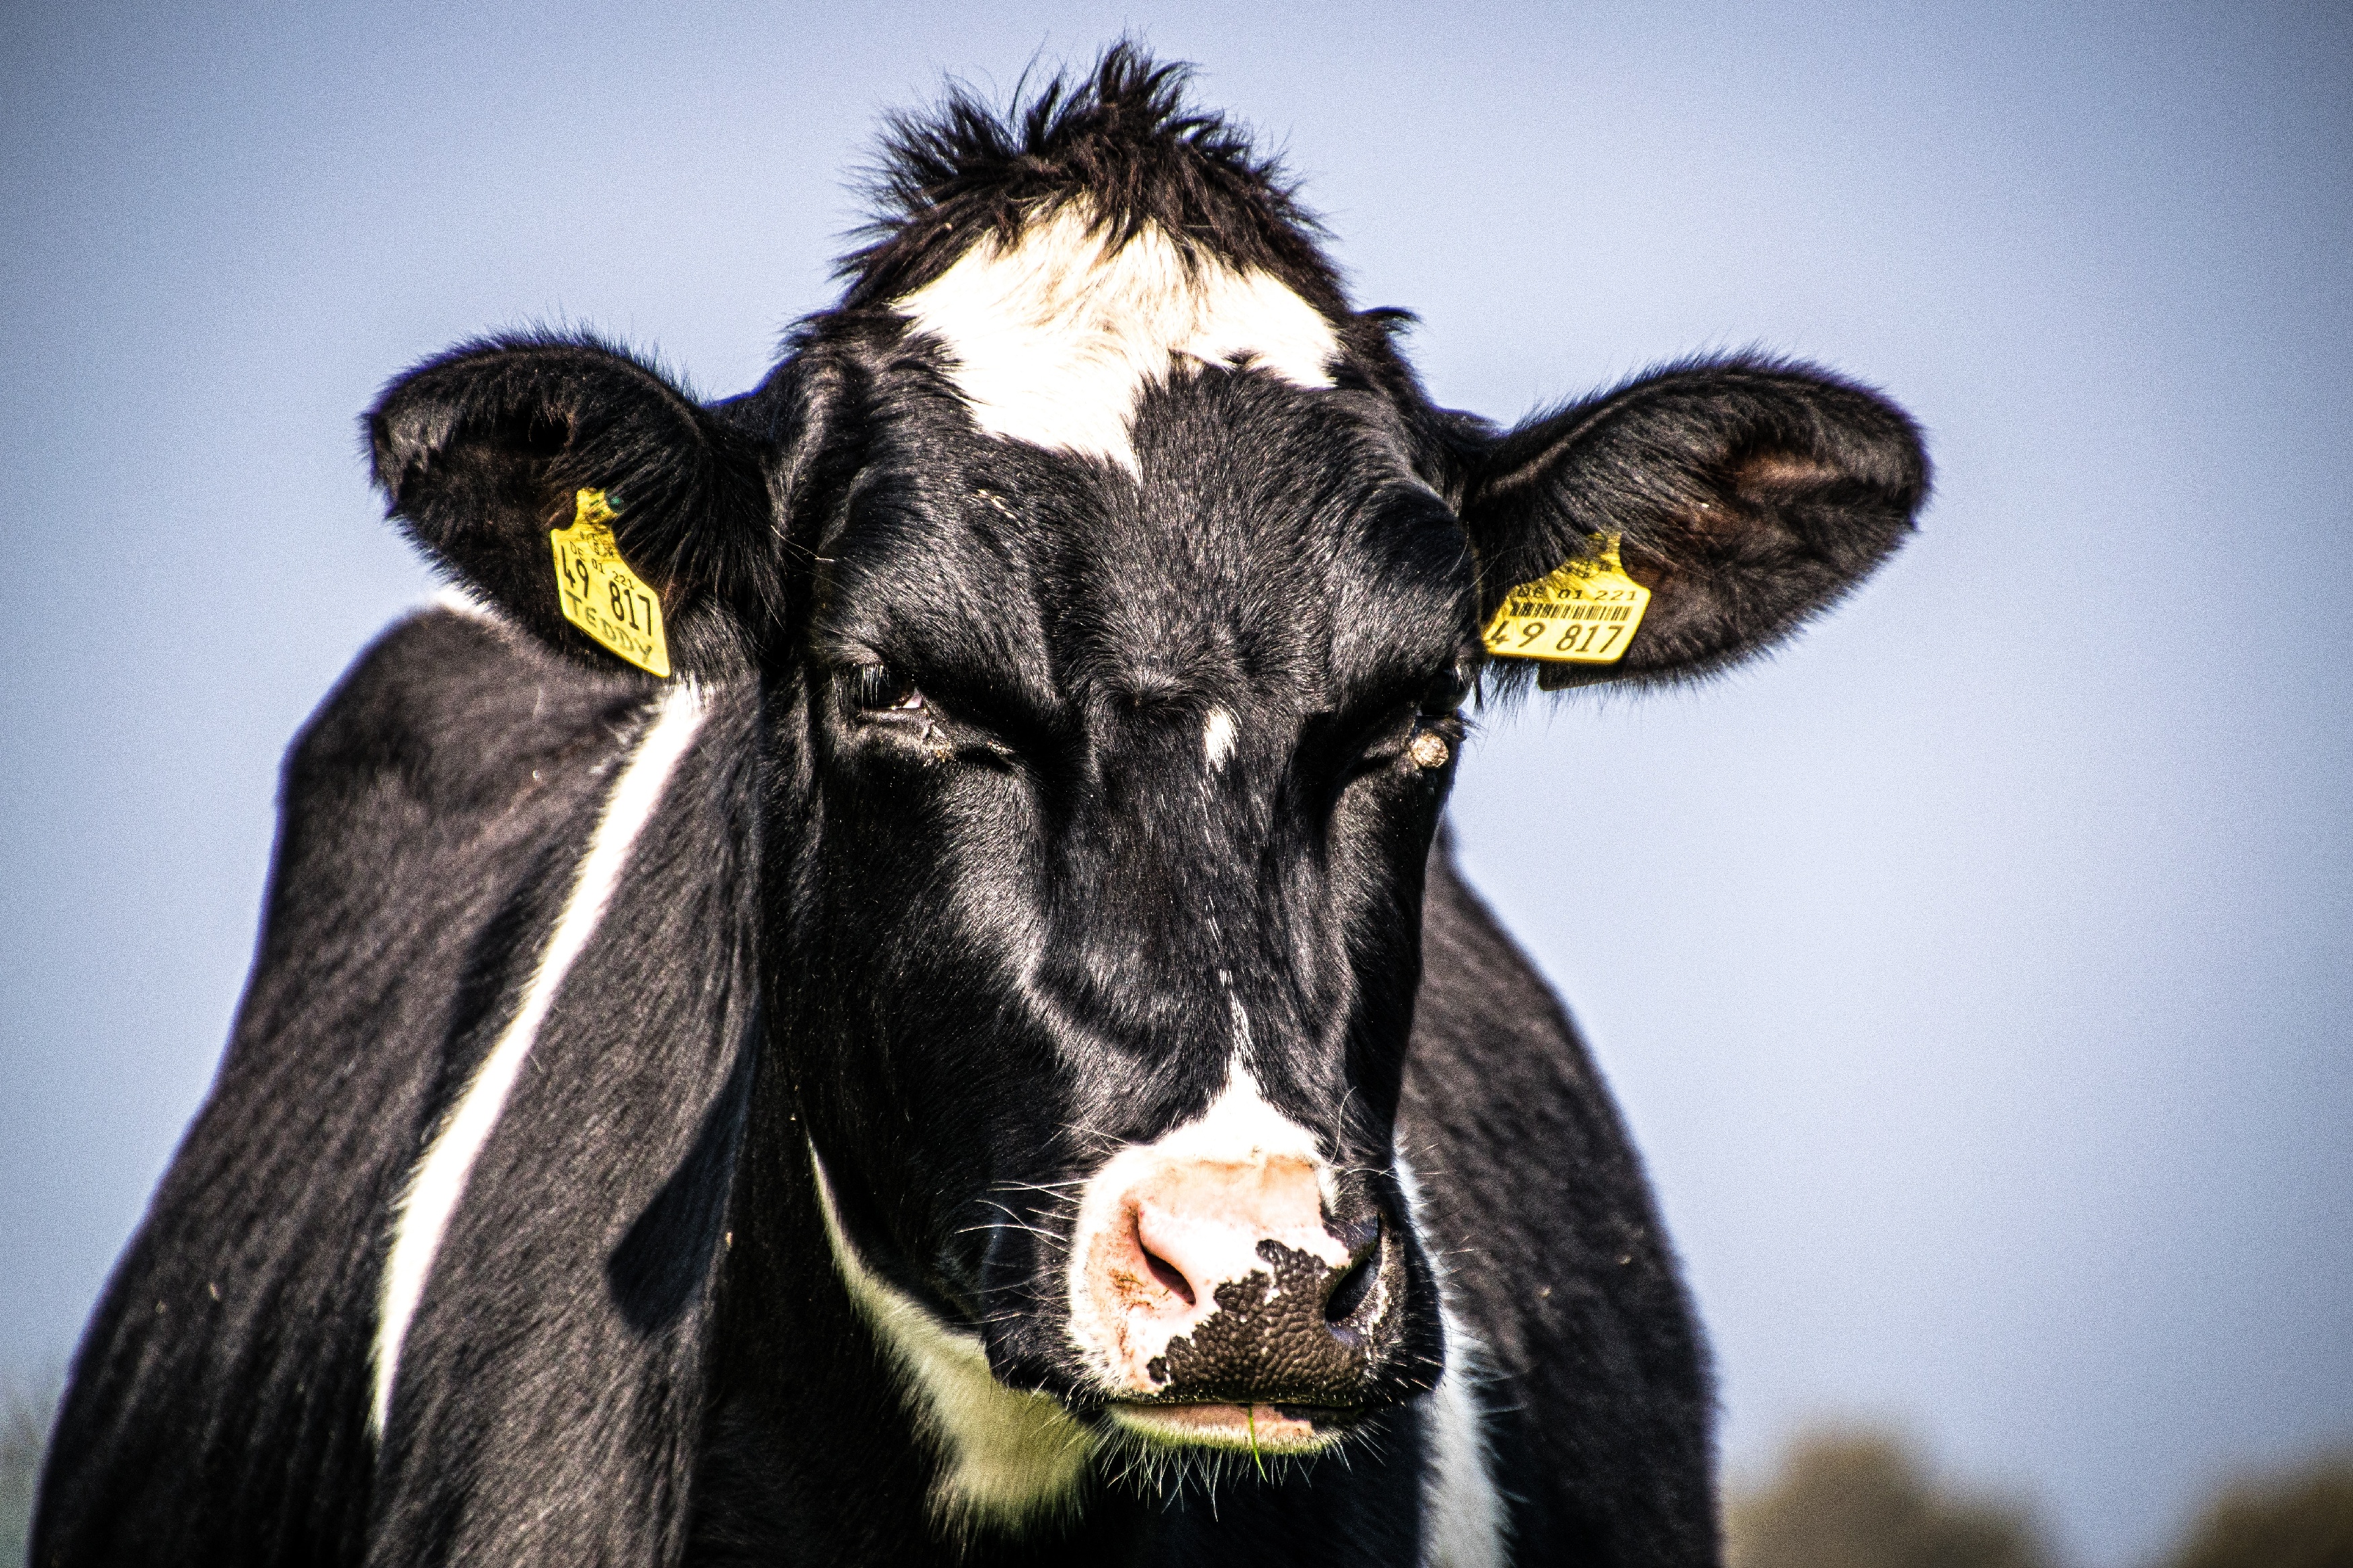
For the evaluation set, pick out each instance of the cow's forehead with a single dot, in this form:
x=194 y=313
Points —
x=1055 y=336
x=1268 y=537
x=1125 y=461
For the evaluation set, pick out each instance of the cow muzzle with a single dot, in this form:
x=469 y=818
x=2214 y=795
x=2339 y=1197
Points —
x=1219 y=1300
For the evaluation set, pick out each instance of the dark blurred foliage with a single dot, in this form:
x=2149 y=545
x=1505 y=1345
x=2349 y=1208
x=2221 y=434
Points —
x=25 y=1413
x=2300 y=1520
x=1865 y=1500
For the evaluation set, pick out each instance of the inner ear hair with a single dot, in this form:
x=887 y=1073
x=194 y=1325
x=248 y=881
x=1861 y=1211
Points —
x=1749 y=494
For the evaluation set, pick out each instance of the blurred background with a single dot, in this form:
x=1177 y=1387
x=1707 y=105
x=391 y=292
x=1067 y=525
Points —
x=1976 y=975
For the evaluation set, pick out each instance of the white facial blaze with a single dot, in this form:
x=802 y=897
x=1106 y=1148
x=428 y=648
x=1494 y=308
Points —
x=1056 y=337
x=438 y=1180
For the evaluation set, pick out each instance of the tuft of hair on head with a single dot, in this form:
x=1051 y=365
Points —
x=1119 y=142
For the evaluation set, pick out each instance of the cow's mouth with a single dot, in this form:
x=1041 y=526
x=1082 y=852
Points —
x=1268 y=1430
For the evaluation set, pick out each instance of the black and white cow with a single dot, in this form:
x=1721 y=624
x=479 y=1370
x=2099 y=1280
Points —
x=989 y=1060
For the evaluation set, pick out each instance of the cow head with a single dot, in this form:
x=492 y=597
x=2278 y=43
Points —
x=1113 y=593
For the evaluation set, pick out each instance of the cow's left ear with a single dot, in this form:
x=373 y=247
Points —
x=485 y=451
x=1748 y=495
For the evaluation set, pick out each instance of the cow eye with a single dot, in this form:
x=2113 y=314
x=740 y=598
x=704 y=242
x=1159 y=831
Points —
x=1445 y=694
x=879 y=688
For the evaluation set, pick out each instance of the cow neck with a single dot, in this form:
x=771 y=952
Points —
x=840 y=1454
x=1005 y=1460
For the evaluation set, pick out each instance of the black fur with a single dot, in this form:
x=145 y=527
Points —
x=1601 y=1436
x=1122 y=141
x=218 y=1404
x=947 y=893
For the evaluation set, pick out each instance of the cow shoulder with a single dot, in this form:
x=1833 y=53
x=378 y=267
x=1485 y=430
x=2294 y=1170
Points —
x=426 y=793
x=579 y=1158
x=1590 y=1372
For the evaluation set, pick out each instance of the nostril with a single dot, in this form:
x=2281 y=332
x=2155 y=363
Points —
x=1170 y=1279
x=1350 y=1292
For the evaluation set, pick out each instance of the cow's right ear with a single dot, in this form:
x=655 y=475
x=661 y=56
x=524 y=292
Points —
x=484 y=452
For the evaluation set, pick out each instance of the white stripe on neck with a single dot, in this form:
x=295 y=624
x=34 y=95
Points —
x=439 y=1180
x=1463 y=1519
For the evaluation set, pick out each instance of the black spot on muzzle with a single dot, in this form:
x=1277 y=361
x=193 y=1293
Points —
x=1299 y=1331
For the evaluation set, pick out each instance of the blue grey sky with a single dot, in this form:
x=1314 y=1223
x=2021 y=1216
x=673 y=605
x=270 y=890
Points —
x=1977 y=975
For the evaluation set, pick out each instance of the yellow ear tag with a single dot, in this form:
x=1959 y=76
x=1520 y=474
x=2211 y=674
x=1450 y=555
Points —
x=1584 y=612
x=598 y=592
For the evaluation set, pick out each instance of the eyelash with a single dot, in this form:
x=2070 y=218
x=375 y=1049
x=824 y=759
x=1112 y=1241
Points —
x=879 y=688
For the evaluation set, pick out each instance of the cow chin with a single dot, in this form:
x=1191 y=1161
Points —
x=1258 y=1429
x=1161 y=1450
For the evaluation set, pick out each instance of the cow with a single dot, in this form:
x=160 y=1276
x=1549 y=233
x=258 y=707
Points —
x=883 y=980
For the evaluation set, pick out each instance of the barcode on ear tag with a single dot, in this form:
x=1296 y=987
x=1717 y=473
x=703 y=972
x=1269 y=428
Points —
x=598 y=592
x=1584 y=612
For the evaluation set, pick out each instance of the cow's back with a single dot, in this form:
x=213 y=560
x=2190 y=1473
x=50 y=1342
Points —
x=218 y=1405
x=1596 y=1386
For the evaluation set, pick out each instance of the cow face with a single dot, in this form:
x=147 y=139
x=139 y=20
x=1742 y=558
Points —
x=1114 y=592
x=1124 y=754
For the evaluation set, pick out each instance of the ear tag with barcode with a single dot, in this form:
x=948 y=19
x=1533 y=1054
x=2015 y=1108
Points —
x=598 y=592
x=1584 y=612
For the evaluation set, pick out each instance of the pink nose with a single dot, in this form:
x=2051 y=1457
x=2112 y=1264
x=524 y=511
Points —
x=1200 y=1225
x=1220 y=1274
